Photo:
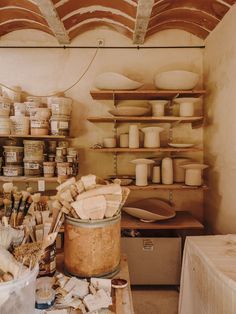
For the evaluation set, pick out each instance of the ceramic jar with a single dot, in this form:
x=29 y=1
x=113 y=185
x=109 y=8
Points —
x=124 y=140
x=152 y=136
x=109 y=142
x=193 y=174
x=178 y=171
x=156 y=174
x=167 y=170
x=158 y=107
x=133 y=136
x=141 y=171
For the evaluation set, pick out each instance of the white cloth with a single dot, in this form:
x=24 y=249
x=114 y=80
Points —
x=208 y=277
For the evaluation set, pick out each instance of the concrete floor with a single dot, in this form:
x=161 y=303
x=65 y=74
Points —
x=155 y=299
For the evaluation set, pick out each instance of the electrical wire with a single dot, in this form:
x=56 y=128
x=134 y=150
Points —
x=66 y=89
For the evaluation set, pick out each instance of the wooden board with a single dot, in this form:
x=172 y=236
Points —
x=182 y=220
x=45 y=137
x=148 y=150
x=175 y=186
x=143 y=94
x=30 y=179
x=145 y=119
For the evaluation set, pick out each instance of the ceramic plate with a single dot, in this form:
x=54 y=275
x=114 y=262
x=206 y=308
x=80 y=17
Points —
x=150 y=209
x=181 y=145
x=129 y=111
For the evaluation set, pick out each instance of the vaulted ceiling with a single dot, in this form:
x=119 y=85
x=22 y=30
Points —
x=137 y=19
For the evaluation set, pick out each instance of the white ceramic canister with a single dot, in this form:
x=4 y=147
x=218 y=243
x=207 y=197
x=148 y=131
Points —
x=133 y=136
x=61 y=106
x=158 y=107
x=193 y=174
x=39 y=127
x=12 y=171
x=63 y=169
x=124 y=140
x=178 y=171
x=33 y=150
x=60 y=125
x=109 y=142
x=141 y=170
x=49 y=169
x=13 y=155
x=167 y=170
x=4 y=109
x=152 y=136
x=33 y=168
x=20 y=125
x=156 y=174
x=20 y=109
x=5 y=126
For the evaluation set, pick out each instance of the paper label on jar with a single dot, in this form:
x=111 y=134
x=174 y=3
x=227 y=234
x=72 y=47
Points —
x=32 y=166
x=11 y=172
x=54 y=126
x=62 y=171
x=38 y=124
x=11 y=157
x=63 y=125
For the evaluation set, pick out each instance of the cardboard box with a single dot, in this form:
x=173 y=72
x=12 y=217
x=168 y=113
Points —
x=153 y=261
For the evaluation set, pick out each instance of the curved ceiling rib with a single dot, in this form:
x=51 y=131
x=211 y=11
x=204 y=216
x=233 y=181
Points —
x=9 y=13
x=25 y=4
x=93 y=23
x=198 y=17
x=14 y=25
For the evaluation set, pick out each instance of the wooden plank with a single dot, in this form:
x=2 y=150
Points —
x=56 y=25
x=30 y=179
x=142 y=94
x=174 y=186
x=182 y=220
x=52 y=137
x=147 y=150
x=145 y=119
x=144 y=11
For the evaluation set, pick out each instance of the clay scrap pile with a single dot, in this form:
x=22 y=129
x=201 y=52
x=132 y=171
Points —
x=90 y=198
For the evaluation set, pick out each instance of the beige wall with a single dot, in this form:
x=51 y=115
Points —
x=41 y=71
x=220 y=130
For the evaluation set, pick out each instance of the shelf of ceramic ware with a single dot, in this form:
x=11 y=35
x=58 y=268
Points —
x=147 y=150
x=52 y=137
x=141 y=94
x=175 y=186
x=23 y=179
x=146 y=119
x=182 y=221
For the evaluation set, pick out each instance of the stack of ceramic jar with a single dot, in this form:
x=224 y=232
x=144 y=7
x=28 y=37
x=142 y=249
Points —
x=33 y=157
x=13 y=157
x=61 y=108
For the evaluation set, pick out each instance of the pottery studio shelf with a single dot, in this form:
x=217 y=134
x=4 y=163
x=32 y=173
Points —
x=146 y=150
x=142 y=94
x=44 y=137
x=182 y=221
x=145 y=119
x=24 y=179
x=175 y=186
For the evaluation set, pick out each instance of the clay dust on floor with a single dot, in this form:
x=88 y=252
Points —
x=155 y=300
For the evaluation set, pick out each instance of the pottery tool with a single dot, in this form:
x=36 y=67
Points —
x=16 y=204
x=7 y=198
x=22 y=206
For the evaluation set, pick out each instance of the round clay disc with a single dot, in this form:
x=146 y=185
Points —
x=119 y=283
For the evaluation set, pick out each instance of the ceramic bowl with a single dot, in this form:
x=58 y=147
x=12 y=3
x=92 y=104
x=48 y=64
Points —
x=174 y=80
x=129 y=111
x=115 y=81
x=150 y=209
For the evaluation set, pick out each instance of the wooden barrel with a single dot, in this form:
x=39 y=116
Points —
x=92 y=247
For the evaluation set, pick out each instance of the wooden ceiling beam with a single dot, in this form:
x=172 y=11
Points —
x=144 y=11
x=50 y=14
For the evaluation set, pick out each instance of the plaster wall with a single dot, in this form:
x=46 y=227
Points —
x=220 y=129
x=43 y=71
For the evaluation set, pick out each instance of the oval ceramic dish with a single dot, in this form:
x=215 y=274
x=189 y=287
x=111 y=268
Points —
x=150 y=209
x=174 y=80
x=129 y=111
x=115 y=81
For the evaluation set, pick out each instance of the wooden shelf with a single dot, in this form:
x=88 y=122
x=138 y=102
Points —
x=175 y=186
x=182 y=220
x=147 y=150
x=145 y=119
x=52 y=137
x=143 y=94
x=30 y=179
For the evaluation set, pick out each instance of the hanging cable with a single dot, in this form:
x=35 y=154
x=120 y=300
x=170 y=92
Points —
x=68 y=88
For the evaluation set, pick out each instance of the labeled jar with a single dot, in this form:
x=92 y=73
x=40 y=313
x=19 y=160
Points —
x=39 y=127
x=20 y=125
x=52 y=145
x=33 y=150
x=13 y=155
x=19 y=109
x=5 y=126
x=60 y=126
x=12 y=171
x=64 y=169
x=49 y=169
x=33 y=168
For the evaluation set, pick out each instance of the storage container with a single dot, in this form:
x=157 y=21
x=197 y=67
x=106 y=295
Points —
x=39 y=127
x=12 y=171
x=18 y=296
x=19 y=109
x=154 y=260
x=20 y=125
x=5 y=126
x=13 y=155
x=33 y=150
x=64 y=169
x=49 y=169
x=52 y=145
x=33 y=168
x=92 y=247
x=60 y=126
x=61 y=106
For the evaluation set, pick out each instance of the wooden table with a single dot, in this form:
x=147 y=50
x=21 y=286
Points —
x=122 y=298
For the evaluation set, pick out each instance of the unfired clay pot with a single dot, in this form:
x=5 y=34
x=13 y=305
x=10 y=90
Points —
x=193 y=174
x=152 y=136
x=133 y=136
x=158 y=107
x=167 y=170
x=178 y=171
x=141 y=170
